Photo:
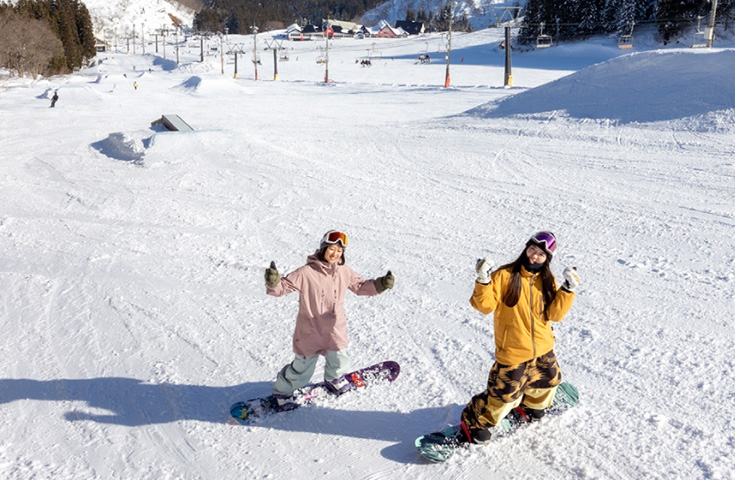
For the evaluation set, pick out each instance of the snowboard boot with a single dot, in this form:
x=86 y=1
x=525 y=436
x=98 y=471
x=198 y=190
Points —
x=284 y=402
x=473 y=435
x=339 y=385
x=534 y=414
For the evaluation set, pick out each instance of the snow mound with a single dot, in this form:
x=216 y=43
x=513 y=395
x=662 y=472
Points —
x=122 y=146
x=191 y=84
x=641 y=87
x=195 y=85
x=191 y=148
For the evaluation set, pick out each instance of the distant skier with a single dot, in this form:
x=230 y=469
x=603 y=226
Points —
x=54 y=99
x=525 y=300
x=321 y=325
x=135 y=85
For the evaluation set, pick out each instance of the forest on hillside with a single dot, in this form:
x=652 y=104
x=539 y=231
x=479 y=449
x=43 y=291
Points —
x=579 y=19
x=240 y=15
x=45 y=36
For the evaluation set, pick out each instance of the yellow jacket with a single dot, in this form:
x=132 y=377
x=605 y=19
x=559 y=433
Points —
x=521 y=332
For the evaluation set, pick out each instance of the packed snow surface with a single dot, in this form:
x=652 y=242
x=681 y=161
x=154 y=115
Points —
x=132 y=258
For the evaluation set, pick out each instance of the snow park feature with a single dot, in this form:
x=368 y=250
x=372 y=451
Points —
x=133 y=307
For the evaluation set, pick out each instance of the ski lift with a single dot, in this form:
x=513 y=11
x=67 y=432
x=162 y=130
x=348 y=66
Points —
x=322 y=57
x=543 y=41
x=700 y=36
x=424 y=57
x=625 y=42
x=443 y=44
x=283 y=57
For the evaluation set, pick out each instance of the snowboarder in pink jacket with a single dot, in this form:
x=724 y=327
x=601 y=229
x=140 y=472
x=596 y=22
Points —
x=321 y=325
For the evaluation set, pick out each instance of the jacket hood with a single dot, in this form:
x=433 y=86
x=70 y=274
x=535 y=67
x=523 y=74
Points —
x=319 y=265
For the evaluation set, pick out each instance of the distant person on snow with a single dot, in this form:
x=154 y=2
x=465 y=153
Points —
x=135 y=85
x=524 y=298
x=321 y=325
x=54 y=99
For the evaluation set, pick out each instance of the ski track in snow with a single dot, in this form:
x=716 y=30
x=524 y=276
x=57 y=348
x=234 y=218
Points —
x=132 y=265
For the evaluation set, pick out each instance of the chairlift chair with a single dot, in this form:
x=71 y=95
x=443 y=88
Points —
x=625 y=42
x=543 y=41
x=700 y=36
x=375 y=55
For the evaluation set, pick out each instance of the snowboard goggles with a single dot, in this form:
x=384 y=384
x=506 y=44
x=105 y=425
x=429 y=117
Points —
x=333 y=236
x=545 y=240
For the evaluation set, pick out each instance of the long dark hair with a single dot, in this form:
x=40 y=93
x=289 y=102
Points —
x=321 y=253
x=513 y=292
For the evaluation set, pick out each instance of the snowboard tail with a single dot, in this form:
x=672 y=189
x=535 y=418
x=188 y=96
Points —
x=439 y=446
x=249 y=411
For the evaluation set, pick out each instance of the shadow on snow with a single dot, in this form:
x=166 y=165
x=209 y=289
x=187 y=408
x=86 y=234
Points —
x=133 y=403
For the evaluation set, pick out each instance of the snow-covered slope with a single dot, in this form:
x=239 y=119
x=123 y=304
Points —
x=642 y=87
x=119 y=18
x=133 y=308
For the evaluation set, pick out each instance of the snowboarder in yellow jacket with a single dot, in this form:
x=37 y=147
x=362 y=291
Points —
x=524 y=298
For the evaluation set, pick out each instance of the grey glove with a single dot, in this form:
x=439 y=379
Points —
x=272 y=277
x=385 y=282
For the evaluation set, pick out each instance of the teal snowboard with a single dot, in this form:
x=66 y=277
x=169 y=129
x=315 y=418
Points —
x=439 y=446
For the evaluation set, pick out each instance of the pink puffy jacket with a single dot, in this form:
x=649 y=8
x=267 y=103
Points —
x=321 y=324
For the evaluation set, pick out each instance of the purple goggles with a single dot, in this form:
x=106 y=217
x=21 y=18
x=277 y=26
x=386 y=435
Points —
x=545 y=240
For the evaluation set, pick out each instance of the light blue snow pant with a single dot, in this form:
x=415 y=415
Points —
x=298 y=373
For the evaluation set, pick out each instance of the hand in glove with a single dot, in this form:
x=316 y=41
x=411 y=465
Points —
x=385 y=282
x=571 y=279
x=272 y=277
x=483 y=268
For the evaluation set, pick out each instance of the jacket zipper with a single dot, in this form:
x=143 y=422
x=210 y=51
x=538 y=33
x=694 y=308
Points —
x=530 y=302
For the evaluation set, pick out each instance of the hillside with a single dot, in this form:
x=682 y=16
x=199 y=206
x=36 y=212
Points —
x=478 y=12
x=120 y=18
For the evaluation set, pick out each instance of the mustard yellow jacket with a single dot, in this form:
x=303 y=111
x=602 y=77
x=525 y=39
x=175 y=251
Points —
x=521 y=332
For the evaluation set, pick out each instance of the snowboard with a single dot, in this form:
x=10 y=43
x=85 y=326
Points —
x=439 y=446
x=250 y=411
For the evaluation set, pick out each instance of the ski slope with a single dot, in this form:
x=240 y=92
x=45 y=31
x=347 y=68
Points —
x=132 y=300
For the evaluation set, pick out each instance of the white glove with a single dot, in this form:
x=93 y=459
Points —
x=483 y=268
x=571 y=279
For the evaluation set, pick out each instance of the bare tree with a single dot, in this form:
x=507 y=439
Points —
x=28 y=46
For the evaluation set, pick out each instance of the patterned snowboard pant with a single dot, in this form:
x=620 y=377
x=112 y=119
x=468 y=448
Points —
x=532 y=383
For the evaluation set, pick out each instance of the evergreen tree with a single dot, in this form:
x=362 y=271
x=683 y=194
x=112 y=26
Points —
x=86 y=30
x=63 y=18
x=590 y=18
x=625 y=17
